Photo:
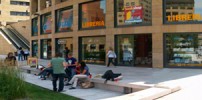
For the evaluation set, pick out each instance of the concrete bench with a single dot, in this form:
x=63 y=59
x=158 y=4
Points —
x=118 y=86
x=29 y=70
x=147 y=94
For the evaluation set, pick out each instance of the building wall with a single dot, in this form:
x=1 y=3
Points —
x=24 y=28
x=157 y=29
x=5 y=9
x=5 y=46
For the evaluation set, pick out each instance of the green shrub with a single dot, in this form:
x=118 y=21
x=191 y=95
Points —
x=12 y=85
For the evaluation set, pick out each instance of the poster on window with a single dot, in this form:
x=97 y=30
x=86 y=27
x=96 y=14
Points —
x=47 y=24
x=65 y=20
x=133 y=14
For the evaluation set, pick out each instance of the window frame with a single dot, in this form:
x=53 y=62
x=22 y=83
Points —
x=80 y=17
x=32 y=41
x=120 y=26
x=174 y=23
x=41 y=23
x=32 y=26
x=56 y=18
x=165 y=57
x=41 y=48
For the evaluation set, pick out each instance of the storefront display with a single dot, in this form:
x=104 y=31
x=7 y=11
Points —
x=63 y=43
x=132 y=12
x=93 y=49
x=64 y=20
x=134 y=50
x=182 y=11
x=35 y=48
x=46 y=50
x=46 y=24
x=183 y=50
x=35 y=27
x=93 y=14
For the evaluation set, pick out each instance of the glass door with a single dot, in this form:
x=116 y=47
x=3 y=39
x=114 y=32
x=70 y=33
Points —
x=125 y=50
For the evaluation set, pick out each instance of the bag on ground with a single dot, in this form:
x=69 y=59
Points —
x=87 y=84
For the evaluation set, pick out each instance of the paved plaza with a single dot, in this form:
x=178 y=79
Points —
x=189 y=80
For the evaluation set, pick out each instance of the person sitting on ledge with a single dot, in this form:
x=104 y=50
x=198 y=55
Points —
x=83 y=75
x=45 y=72
x=10 y=59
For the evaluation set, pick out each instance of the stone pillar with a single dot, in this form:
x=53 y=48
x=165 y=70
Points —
x=157 y=35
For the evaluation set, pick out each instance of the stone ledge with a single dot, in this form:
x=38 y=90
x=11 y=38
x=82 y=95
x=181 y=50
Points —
x=147 y=94
x=121 y=84
x=171 y=86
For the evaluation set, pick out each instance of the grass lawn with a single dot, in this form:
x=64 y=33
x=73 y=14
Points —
x=38 y=93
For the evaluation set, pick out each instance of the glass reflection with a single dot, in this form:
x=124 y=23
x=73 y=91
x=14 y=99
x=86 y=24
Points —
x=131 y=12
x=93 y=50
x=184 y=49
x=93 y=14
x=183 y=10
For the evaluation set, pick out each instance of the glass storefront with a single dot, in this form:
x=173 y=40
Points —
x=64 y=19
x=182 y=11
x=183 y=49
x=133 y=12
x=92 y=14
x=46 y=50
x=93 y=49
x=61 y=43
x=46 y=27
x=35 y=27
x=35 y=48
x=134 y=50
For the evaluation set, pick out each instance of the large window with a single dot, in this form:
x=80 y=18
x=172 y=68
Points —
x=182 y=11
x=22 y=3
x=46 y=49
x=35 y=48
x=34 y=27
x=46 y=24
x=183 y=50
x=17 y=13
x=133 y=12
x=92 y=14
x=92 y=49
x=64 y=20
x=62 y=43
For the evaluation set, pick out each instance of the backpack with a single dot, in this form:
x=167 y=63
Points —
x=22 y=52
x=109 y=75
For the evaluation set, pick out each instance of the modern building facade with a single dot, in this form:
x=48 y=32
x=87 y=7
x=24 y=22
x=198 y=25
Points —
x=14 y=11
x=143 y=33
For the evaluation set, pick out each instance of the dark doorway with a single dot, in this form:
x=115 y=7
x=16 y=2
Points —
x=134 y=50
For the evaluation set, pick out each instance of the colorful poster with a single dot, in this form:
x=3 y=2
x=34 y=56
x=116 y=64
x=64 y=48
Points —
x=133 y=14
x=47 y=24
x=65 y=20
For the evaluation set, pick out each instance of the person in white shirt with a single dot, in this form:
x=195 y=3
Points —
x=26 y=54
x=111 y=56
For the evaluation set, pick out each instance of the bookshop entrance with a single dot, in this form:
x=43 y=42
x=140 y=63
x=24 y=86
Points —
x=134 y=50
